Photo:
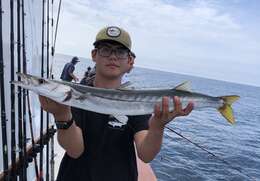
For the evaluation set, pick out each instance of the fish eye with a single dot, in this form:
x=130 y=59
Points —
x=41 y=81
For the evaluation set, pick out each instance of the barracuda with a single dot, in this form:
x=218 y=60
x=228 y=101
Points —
x=122 y=101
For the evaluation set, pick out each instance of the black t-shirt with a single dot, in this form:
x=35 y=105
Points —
x=67 y=70
x=109 y=148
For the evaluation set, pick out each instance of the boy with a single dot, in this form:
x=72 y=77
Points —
x=96 y=149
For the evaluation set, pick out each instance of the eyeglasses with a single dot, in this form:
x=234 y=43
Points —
x=120 y=53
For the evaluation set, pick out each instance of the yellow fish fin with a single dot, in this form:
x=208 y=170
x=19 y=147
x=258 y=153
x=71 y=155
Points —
x=226 y=110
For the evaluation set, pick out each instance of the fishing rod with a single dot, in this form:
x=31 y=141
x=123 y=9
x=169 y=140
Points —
x=30 y=152
x=52 y=162
x=57 y=23
x=47 y=114
x=13 y=127
x=52 y=28
x=210 y=153
x=19 y=106
x=42 y=74
x=55 y=38
x=3 y=113
x=52 y=47
x=25 y=163
x=52 y=154
x=34 y=148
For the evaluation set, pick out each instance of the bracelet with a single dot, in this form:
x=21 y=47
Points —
x=64 y=124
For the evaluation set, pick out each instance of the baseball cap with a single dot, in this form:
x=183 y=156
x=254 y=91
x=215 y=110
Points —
x=75 y=59
x=114 y=33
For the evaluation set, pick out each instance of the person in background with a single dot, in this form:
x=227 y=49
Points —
x=86 y=76
x=92 y=72
x=67 y=72
x=87 y=72
x=90 y=78
x=98 y=146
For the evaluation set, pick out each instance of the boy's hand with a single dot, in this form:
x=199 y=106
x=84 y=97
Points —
x=162 y=116
x=60 y=112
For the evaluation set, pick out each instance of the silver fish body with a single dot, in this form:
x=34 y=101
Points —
x=121 y=101
x=139 y=102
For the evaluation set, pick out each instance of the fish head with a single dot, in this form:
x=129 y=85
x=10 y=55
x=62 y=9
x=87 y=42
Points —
x=31 y=80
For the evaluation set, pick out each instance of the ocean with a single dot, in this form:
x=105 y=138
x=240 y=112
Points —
x=237 y=147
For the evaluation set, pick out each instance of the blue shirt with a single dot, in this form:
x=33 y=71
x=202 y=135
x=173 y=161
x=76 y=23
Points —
x=67 y=70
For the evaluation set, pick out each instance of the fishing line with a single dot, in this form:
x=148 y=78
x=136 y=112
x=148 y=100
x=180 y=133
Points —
x=210 y=153
x=3 y=113
x=42 y=75
x=12 y=88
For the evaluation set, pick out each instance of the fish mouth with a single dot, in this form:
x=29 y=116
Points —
x=24 y=78
x=29 y=79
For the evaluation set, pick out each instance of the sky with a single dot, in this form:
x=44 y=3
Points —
x=218 y=39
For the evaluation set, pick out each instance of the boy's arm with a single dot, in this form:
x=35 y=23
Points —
x=148 y=142
x=70 y=139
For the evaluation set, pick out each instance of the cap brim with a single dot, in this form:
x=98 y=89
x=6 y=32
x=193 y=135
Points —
x=110 y=40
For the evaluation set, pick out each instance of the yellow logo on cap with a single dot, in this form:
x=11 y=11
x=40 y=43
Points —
x=113 y=31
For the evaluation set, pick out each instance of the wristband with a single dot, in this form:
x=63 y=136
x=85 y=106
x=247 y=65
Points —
x=64 y=124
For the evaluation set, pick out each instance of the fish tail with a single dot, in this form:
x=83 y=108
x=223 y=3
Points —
x=226 y=110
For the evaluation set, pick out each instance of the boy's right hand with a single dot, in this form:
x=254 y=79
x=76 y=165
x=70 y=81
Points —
x=61 y=112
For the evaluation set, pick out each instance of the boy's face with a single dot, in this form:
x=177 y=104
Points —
x=112 y=60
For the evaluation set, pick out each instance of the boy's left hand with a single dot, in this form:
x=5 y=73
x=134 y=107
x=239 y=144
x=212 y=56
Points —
x=162 y=115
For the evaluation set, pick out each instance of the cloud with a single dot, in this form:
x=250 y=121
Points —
x=175 y=34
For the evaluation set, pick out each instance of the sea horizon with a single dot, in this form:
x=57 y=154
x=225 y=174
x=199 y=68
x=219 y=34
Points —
x=185 y=74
